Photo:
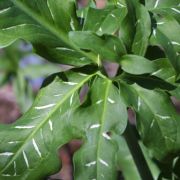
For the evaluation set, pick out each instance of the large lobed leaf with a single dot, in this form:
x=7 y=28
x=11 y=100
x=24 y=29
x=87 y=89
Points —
x=28 y=147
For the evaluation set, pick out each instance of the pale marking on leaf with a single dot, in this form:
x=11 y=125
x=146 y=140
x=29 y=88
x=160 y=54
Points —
x=72 y=25
x=24 y=127
x=176 y=10
x=82 y=58
x=25 y=159
x=50 y=125
x=14 y=142
x=156 y=4
x=6 y=175
x=95 y=126
x=6 y=154
x=118 y=3
x=103 y=162
x=175 y=43
x=14 y=27
x=152 y=123
x=139 y=103
x=44 y=107
x=111 y=101
x=57 y=95
x=64 y=49
x=90 y=164
x=98 y=59
x=99 y=101
x=160 y=23
x=163 y=117
x=36 y=147
x=105 y=135
x=82 y=74
x=50 y=10
x=113 y=15
x=4 y=10
x=170 y=139
x=100 y=29
x=156 y=72
x=70 y=83
x=71 y=99
x=115 y=48
x=41 y=132
x=102 y=175
x=154 y=32
x=15 y=173
x=93 y=179
x=36 y=117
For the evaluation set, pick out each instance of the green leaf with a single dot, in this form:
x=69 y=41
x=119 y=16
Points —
x=143 y=31
x=104 y=21
x=158 y=38
x=134 y=64
x=33 y=140
x=163 y=24
x=57 y=117
x=112 y=49
x=96 y=158
x=40 y=23
x=154 y=113
x=164 y=7
x=125 y=161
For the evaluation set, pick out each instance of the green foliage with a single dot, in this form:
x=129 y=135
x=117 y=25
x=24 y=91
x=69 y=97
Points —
x=128 y=33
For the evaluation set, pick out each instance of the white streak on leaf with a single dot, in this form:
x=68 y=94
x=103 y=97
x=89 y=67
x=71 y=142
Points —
x=160 y=23
x=72 y=25
x=156 y=72
x=44 y=107
x=152 y=123
x=103 y=162
x=118 y=3
x=57 y=95
x=64 y=49
x=154 y=32
x=25 y=159
x=14 y=142
x=70 y=83
x=36 y=147
x=114 y=47
x=111 y=101
x=82 y=74
x=176 y=10
x=139 y=103
x=175 y=43
x=14 y=27
x=95 y=126
x=170 y=139
x=105 y=135
x=113 y=15
x=36 y=117
x=90 y=164
x=100 y=29
x=50 y=125
x=50 y=10
x=24 y=127
x=163 y=117
x=71 y=99
x=99 y=101
x=156 y=4
x=6 y=154
x=15 y=168
x=4 y=10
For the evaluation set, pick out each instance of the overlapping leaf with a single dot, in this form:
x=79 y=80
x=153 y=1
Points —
x=58 y=117
x=46 y=25
x=154 y=113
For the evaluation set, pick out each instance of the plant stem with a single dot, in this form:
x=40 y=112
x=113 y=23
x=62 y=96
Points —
x=137 y=153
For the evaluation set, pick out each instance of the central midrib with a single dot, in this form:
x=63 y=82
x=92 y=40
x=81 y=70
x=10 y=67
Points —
x=45 y=121
x=102 y=123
